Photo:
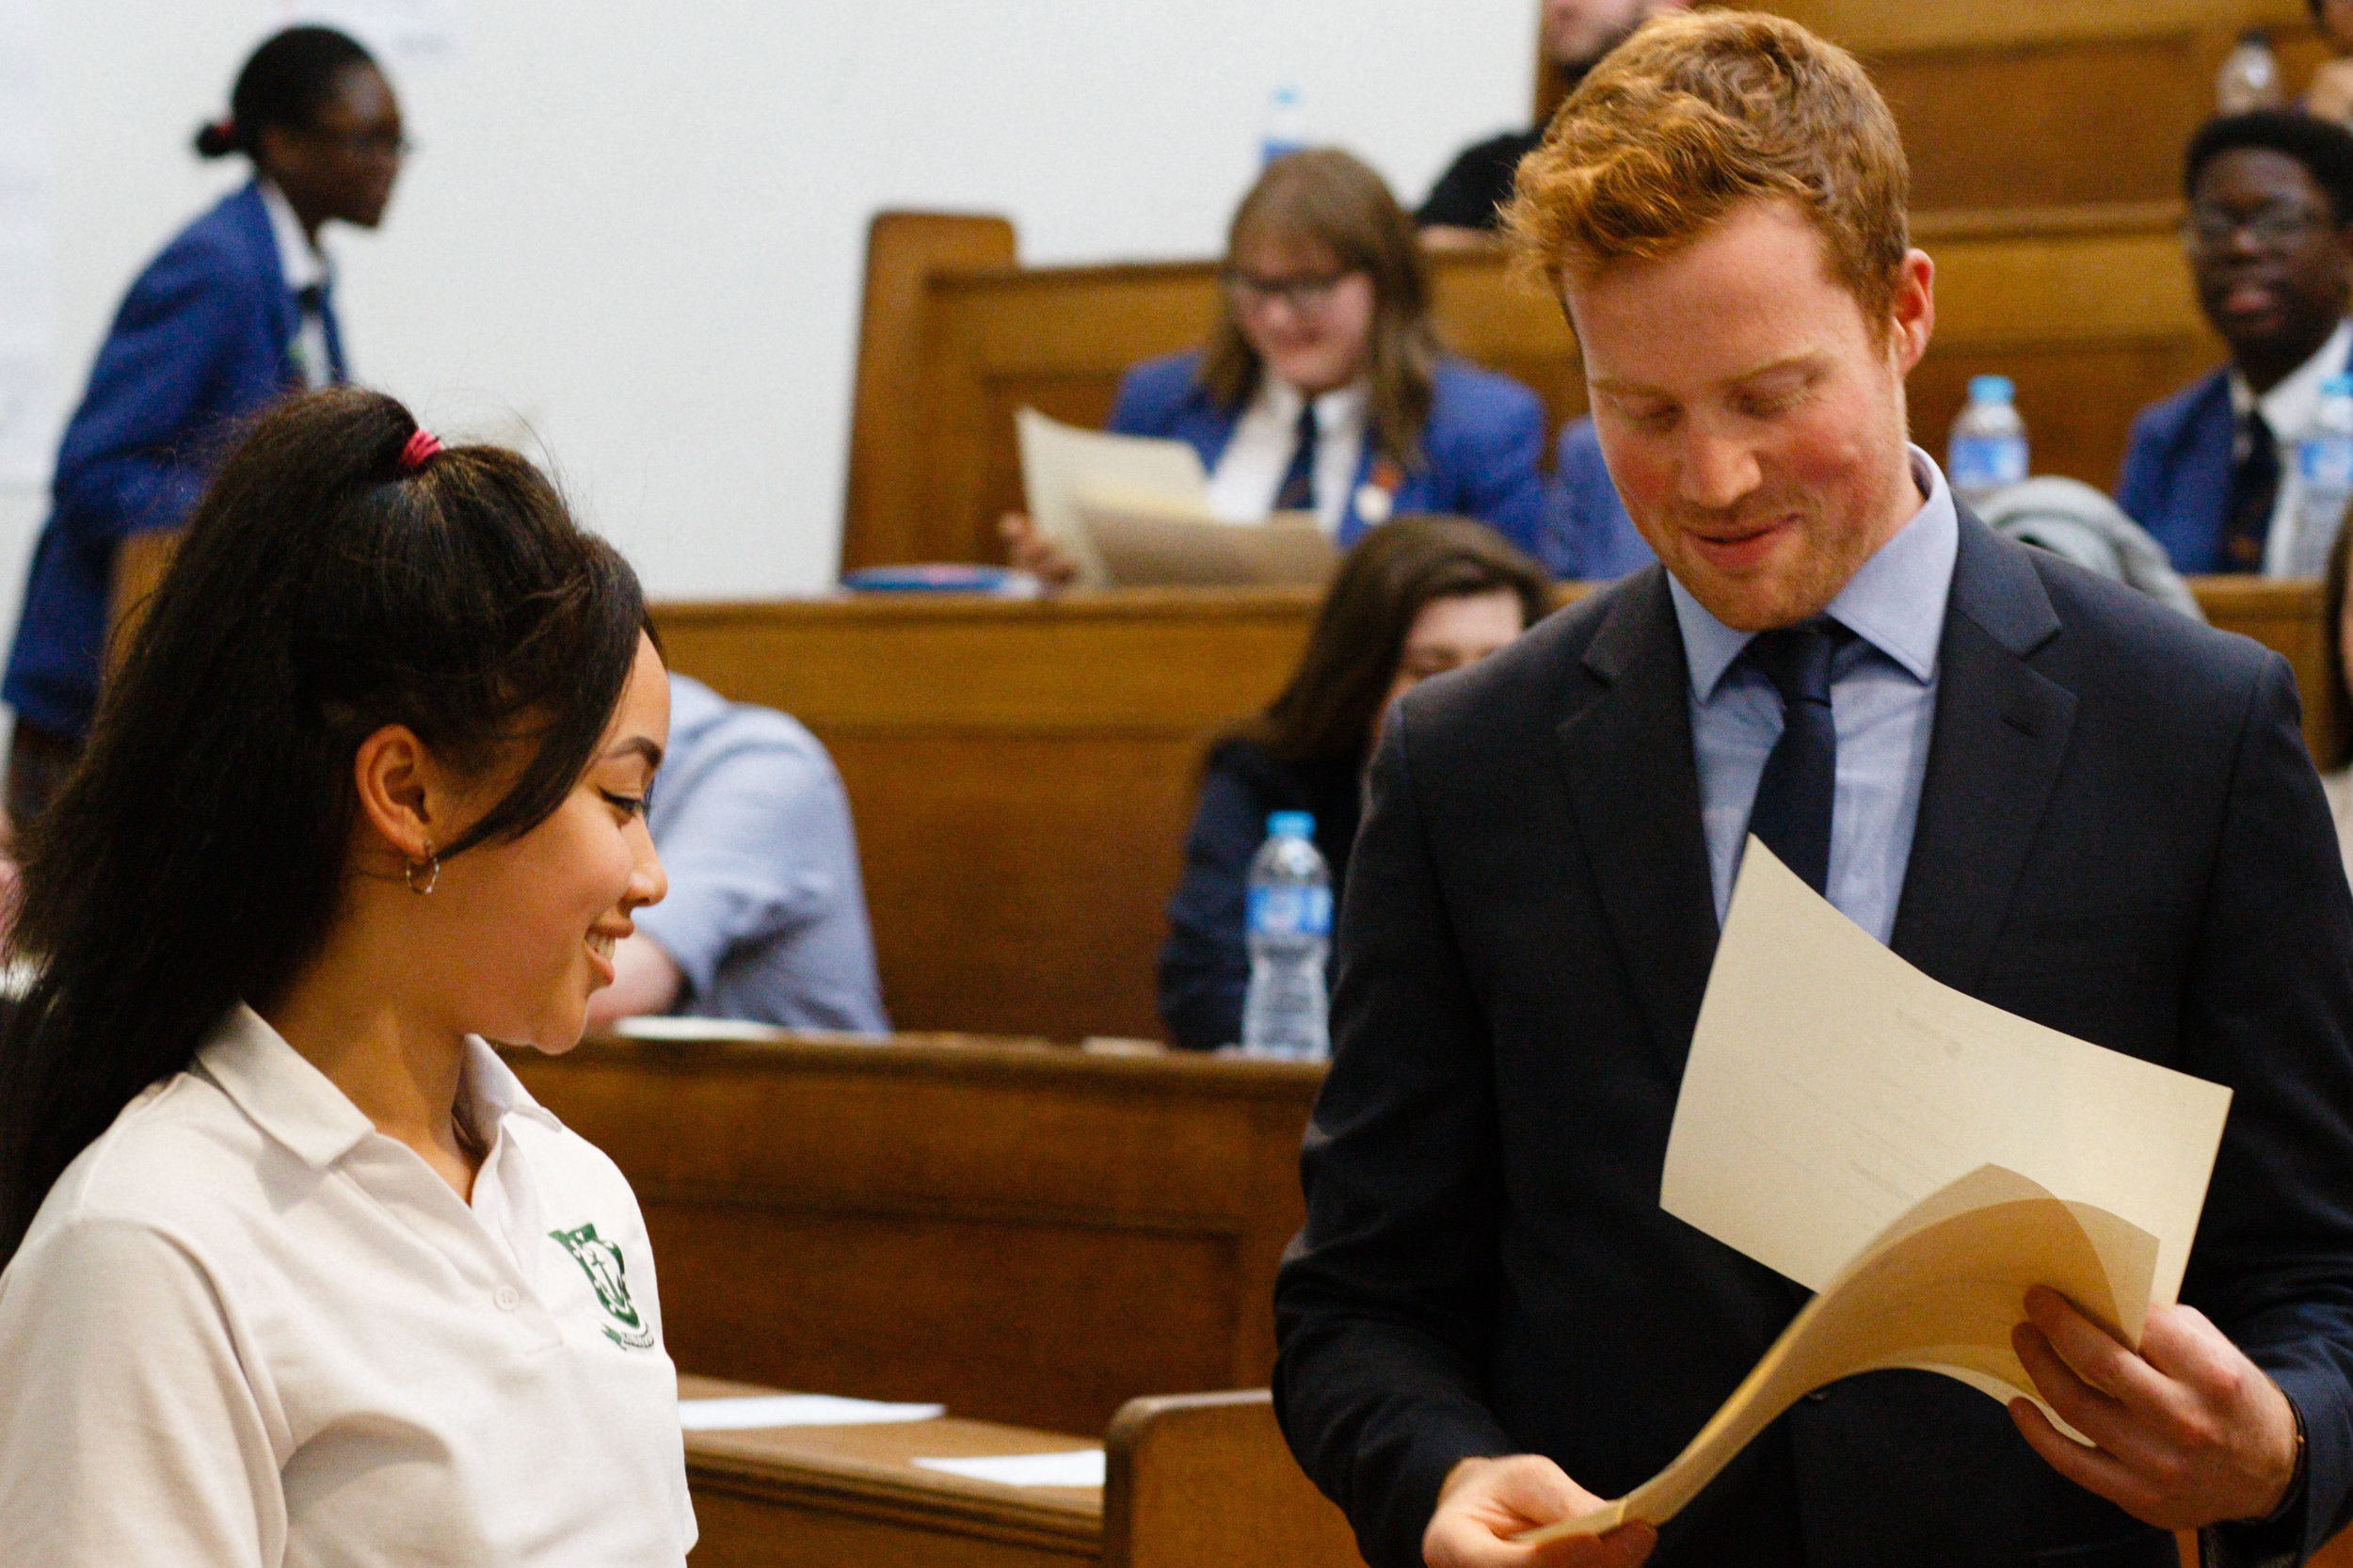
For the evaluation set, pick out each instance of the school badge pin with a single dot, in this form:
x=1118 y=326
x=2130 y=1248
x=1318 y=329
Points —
x=600 y=1260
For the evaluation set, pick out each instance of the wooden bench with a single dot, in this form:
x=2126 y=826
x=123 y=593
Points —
x=2089 y=310
x=1030 y=1233
x=1189 y=1482
x=1022 y=774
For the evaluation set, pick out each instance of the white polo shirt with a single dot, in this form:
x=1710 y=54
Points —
x=247 y=1328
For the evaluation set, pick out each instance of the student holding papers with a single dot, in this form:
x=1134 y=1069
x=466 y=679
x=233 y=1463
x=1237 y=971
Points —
x=2045 y=791
x=1323 y=389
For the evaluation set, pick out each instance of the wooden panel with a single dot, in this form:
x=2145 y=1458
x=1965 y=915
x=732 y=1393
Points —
x=1022 y=775
x=1028 y=1234
x=1205 y=1480
x=851 y=1496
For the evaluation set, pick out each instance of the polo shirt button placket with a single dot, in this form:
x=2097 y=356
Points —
x=507 y=1298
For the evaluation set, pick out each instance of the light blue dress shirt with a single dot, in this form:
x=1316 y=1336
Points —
x=1883 y=702
x=766 y=912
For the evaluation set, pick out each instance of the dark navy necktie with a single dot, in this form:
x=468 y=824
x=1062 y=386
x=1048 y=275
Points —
x=1297 y=492
x=2254 y=492
x=1793 y=798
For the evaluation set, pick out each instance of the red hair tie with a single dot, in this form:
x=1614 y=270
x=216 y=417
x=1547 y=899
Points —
x=422 y=444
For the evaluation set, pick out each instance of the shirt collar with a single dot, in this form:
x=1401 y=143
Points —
x=2289 y=406
x=1339 y=409
x=1894 y=601
x=292 y=1102
x=301 y=265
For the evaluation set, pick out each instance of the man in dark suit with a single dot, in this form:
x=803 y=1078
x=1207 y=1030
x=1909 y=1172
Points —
x=2211 y=470
x=2036 y=786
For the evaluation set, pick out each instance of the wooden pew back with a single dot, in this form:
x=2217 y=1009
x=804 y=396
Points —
x=1028 y=1234
x=1205 y=1480
x=1023 y=776
x=2089 y=310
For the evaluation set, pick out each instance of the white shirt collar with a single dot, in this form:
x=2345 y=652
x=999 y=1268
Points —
x=301 y=265
x=284 y=1095
x=1342 y=408
x=2289 y=406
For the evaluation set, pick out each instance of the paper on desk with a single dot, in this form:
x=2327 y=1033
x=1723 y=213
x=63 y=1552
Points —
x=664 y=1025
x=796 y=1410
x=1063 y=466
x=1831 y=1086
x=1141 y=548
x=1940 y=1290
x=1079 y=1467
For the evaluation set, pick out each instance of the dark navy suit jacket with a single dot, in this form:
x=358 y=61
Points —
x=200 y=340
x=1588 y=536
x=2121 y=835
x=2176 y=481
x=1479 y=449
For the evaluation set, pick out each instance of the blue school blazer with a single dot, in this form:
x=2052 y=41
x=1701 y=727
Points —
x=1480 y=448
x=202 y=340
x=2176 y=481
x=1588 y=536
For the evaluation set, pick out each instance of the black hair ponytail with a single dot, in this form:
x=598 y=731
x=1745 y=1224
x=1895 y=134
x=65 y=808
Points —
x=332 y=582
x=285 y=83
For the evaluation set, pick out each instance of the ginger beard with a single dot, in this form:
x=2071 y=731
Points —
x=1753 y=420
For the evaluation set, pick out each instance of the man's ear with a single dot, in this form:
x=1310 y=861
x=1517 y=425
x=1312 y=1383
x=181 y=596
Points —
x=403 y=795
x=1913 y=312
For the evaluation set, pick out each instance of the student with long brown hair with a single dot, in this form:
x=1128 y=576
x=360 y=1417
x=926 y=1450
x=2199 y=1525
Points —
x=1422 y=596
x=295 y=1270
x=1322 y=387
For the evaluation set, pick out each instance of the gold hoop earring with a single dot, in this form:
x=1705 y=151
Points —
x=430 y=865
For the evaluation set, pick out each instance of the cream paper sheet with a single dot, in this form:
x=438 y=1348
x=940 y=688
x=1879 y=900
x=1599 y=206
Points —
x=1918 y=1158
x=1063 y=467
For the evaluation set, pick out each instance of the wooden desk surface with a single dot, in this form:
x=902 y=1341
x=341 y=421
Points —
x=818 y=1496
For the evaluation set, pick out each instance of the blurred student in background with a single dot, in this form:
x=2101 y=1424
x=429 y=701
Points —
x=296 y=1269
x=1574 y=36
x=2331 y=95
x=235 y=311
x=1323 y=389
x=1418 y=598
x=2210 y=472
x=766 y=916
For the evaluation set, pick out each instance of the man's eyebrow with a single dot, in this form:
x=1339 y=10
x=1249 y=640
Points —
x=636 y=746
x=1805 y=361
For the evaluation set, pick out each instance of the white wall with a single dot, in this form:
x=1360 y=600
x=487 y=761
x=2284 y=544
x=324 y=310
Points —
x=638 y=229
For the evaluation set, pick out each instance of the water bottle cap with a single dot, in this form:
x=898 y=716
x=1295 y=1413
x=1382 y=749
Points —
x=1290 y=825
x=1990 y=389
x=2337 y=386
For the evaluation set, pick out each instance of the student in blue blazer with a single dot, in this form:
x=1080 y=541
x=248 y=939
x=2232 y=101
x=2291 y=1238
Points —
x=1588 y=538
x=2210 y=472
x=1322 y=387
x=235 y=311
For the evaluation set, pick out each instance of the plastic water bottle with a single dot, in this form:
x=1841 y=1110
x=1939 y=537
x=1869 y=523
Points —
x=1283 y=1013
x=2249 y=78
x=1988 y=452
x=2324 y=479
x=1286 y=124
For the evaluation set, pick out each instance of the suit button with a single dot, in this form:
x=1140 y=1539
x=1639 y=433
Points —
x=507 y=1298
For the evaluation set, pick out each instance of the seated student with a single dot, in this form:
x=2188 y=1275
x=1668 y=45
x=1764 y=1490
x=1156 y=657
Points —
x=1322 y=387
x=2210 y=472
x=1416 y=599
x=1588 y=538
x=237 y=311
x=766 y=916
x=1575 y=34
x=295 y=1270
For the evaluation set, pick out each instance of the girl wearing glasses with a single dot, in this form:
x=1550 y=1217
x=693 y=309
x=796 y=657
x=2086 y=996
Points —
x=1322 y=387
x=235 y=311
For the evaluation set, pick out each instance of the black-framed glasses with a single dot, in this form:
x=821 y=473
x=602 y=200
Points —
x=1304 y=291
x=368 y=142
x=2273 y=225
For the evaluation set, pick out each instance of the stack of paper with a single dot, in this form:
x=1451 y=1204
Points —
x=1916 y=1157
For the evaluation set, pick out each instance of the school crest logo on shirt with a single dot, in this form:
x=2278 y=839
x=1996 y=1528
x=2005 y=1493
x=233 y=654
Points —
x=600 y=1260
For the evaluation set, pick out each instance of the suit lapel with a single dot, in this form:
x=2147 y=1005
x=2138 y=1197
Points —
x=1634 y=785
x=2000 y=735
